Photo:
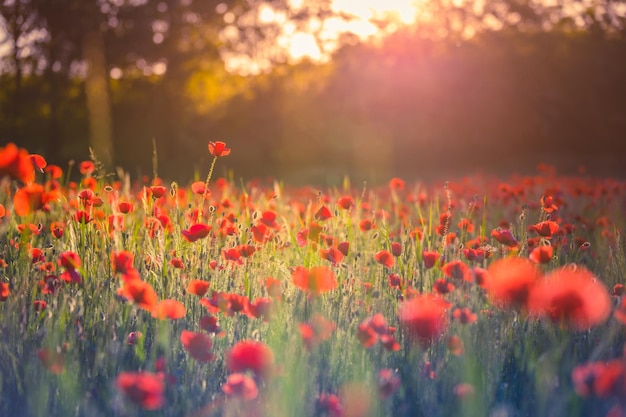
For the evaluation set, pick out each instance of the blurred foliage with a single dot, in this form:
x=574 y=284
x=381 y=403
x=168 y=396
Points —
x=531 y=86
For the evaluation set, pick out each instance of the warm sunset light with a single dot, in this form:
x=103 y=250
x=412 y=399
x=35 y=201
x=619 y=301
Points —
x=317 y=38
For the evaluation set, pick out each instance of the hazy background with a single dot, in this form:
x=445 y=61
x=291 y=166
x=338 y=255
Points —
x=308 y=91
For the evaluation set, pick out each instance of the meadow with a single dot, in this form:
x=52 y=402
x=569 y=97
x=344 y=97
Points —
x=481 y=296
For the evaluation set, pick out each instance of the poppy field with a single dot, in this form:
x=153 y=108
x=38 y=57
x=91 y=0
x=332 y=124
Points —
x=482 y=296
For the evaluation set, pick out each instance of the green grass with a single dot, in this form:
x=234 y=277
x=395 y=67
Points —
x=516 y=364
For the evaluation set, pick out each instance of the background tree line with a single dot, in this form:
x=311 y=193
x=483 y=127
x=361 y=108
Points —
x=497 y=86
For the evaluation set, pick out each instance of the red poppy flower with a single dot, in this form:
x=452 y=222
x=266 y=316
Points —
x=323 y=213
x=268 y=218
x=198 y=345
x=441 y=286
x=31 y=197
x=424 y=318
x=122 y=261
x=240 y=385
x=511 y=280
x=52 y=359
x=600 y=379
x=38 y=161
x=388 y=383
x=196 y=231
x=316 y=331
x=142 y=388
x=572 y=296
x=54 y=171
x=69 y=260
x=457 y=270
x=318 y=279
x=199 y=187
x=429 y=258
x=250 y=355
x=455 y=345
x=198 y=287
x=133 y=338
x=366 y=225
x=86 y=167
x=542 y=254
x=464 y=315
x=16 y=163
x=504 y=237
x=40 y=305
x=3 y=211
x=545 y=229
x=4 y=291
x=396 y=183
x=169 y=309
x=343 y=247
x=139 y=292
x=57 y=229
x=261 y=307
x=157 y=191
x=331 y=254
x=209 y=324
x=396 y=249
x=385 y=258
x=82 y=217
x=125 y=207
x=218 y=148
x=345 y=202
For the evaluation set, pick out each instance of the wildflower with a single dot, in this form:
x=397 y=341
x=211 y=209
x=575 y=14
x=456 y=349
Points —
x=542 y=254
x=125 y=207
x=504 y=237
x=316 y=331
x=196 y=231
x=457 y=270
x=511 y=280
x=139 y=292
x=142 y=388
x=385 y=258
x=52 y=359
x=38 y=161
x=317 y=280
x=16 y=163
x=218 y=149
x=199 y=187
x=345 y=202
x=441 y=286
x=4 y=291
x=429 y=258
x=388 y=383
x=30 y=198
x=69 y=260
x=170 y=309
x=331 y=254
x=122 y=261
x=323 y=213
x=396 y=249
x=157 y=191
x=600 y=379
x=330 y=404
x=455 y=345
x=250 y=355
x=133 y=338
x=240 y=385
x=209 y=324
x=343 y=247
x=571 y=296
x=464 y=316
x=40 y=305
x=545 y=228
x=396 y=183
x=260 y=307
x=198 y=345
x=198 y=287
x=86 y=167
x=424 y=318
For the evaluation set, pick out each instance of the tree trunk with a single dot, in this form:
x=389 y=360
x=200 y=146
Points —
x=98 y=102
